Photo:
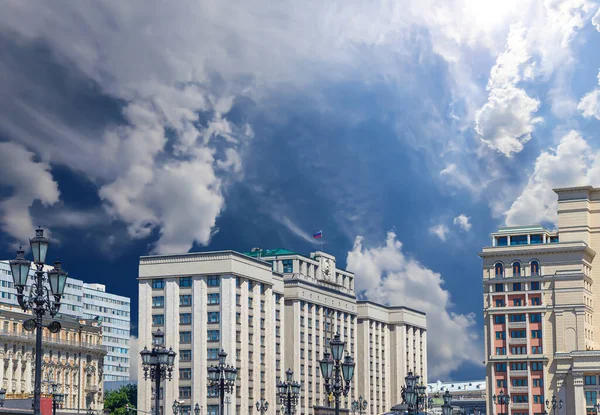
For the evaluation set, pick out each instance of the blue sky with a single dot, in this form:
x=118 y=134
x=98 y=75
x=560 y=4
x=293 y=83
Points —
x=406 y=130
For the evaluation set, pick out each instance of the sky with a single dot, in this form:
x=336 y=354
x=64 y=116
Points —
x=405 y=130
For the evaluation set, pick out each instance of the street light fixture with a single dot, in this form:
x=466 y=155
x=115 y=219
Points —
x=38 y=299
x=360 y=405
x=447 y=406
x=554 y=403
x=222 y=378
x=57 y=398
x=158 y=364
x=2 y=397
x=176 y=407
x=289 y=393
x=262 y=406
x=337 y=374
x=413 y=395
x=197 y=409
x=502 y=400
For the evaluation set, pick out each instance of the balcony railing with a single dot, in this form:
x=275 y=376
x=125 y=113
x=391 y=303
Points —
x=520 y=405
x=518 y=373
x=520 y=340
x=30 y=338
x=519 y=389
x=517 y=324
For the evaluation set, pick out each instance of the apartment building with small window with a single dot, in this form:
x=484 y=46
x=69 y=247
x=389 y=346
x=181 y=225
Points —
x=540 y=336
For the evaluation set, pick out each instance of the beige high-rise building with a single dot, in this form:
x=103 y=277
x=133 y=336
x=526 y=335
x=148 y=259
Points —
x=73 y=358
x=269 y=310
x=540 y=326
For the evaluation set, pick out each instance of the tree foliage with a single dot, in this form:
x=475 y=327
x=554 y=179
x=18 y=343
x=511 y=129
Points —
x=116 y=401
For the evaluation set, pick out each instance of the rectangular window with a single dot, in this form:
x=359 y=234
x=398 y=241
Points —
x=213 y=281
x=213 y=354
x=590 y=380
x=238 y=282
x=185 y=355
x=501 y=241
x=185 y=392
x=287 y=265
x=249 y=302
x=500 y=351
x=238 y=299
x=518 y=334
x=537 y=366
x=185 y=282
x=185 y=300
x=185 y=318
x=535 y=318
x=185 y=337
x=158 y=319
x=158 y=284
x=500 y=367
x=158 y=302
x=591 y=398
x=212 y=410
x=213 y=335
x=518 y=240
x=501 y=383
x=500 y=335
x=213 y=298
x=535 y=300
x=538 y=382
x=185 y=373
x=515 y=318
x=517 y=302
x=516 y=286
x=518 y=366
x=535 y=239
x=499 y=319
x=536 y=334
x=499 y=288
x=499 y=303
x=213 y=316
x=277 y=315
x=535 y=285
x=536 y=350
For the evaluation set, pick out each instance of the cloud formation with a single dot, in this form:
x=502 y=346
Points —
x=590 y=103
x=386 y=274
x=462 y=221
x=440 y=231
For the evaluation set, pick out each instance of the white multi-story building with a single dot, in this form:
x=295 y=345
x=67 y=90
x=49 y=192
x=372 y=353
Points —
x=89 y=301
x=270 y=310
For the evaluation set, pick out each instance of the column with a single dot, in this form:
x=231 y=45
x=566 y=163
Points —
x=144 y=401
x=171 y=330
x=199 y=355
x=579 y=396
x=243 y=377
x=1 y=367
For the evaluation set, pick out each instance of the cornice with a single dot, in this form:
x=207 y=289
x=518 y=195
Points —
x=556 y=247
x=200 y=256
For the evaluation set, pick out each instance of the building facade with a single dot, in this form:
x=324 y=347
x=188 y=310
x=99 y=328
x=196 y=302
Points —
x=269 y=310
x=72 y=358
x=467 y=396
x=89 y=301
x=392 y=341
x=540 y=325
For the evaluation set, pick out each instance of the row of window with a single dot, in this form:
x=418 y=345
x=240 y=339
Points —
x=185 y=282
x=517 y=286
x=537 y=382
x=516 y=318
x=534 y=268
x=535 y=366
x=518 y=302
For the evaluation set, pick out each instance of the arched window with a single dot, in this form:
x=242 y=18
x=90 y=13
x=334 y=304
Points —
x=535 y=268
x=499 y=270
x=516 y=269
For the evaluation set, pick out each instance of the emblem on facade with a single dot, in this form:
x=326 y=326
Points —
x=326 y=270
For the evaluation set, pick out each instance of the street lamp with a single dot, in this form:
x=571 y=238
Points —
x=222 y=378
x=90 y=411
x=158 y=364
x=38 y=299
x=554 y=403
x=421 y=397
x=289 y=392
x=410 y=392
x=596 y=408
x=337 y=374
x=197 y=409
x=176 y=407
x=262 y=406
x=447 y=407
x=2 y=397
x=57 y=398
x=503 y=400
x=360 y=405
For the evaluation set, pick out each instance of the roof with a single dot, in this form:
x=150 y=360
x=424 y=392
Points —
x=259 y=253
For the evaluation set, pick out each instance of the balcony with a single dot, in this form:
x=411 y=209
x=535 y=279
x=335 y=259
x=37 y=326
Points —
x=519 y=405
x=517 y=341
x=30 y=338
x=91 y=388
x=519 y=389
x=518 y=374
x=517 y=325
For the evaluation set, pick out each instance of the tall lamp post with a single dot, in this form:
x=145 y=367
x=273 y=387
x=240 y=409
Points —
x=197 y=409
x=2 y=397
x=502 y=400
x=158 y=364
x=410 y=393
x=262 y=406
x=422 y=400
x=57 y=398
x=38 y=299
x=289 y=392
x=553 y=404
x=176 y=407
x=360 y=405
x=222 y=378
x=337 y=374
x=447 y=406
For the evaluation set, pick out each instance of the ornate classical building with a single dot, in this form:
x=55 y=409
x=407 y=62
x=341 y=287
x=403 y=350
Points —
x=72 y=358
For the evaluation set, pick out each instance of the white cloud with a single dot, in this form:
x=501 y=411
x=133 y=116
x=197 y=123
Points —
x=463 y=222
x=28 y=181
x=572 y=163
x=440 y=231
x=387 y=275
x=295 y=229
x=596 y=20
x=590 y=103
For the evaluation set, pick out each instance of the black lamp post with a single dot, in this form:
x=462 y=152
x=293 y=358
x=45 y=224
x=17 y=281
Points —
x=447 y=406
x=90 y=411
x=360 y=405
x=410 y=393
x=596 y=408
x=262 y=406
x=222 y=378
x=2 y=397
x=553 y=404
x=337 y=374
x=197 y=409
x=176 y=407
x=502 y=400
x=158 y=364
x=289 y=393
x=38 y=300
x=421 y=397
x=57 y=398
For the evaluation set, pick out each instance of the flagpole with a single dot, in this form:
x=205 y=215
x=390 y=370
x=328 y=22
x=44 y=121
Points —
x=321 y=241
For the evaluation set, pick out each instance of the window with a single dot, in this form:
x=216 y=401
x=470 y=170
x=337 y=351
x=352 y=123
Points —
x=500 y=335
x=238 y=299
x=538 y=398
x=249 y=302
x=185 y=373
x=516 y=269
x=185 y=281
x=520 y=398
x=518 y=334
x=502 y=241
x=515 y=318
x=213 y=316
x=535 y=285
x=158 y=319
x=535 y=268
x=518 y=350
x=536 y=334
x=499 y=319
x=287 y=265
x=499 y=270
x=499 y=303
x=185 y=318
x=238 y=281
x=535 y=239
x=590 y=380
x=158 y=302
x=591 y=398
x=158 y=284
x=185 y=337
x=517 y=301
x=213 y=354
x=501 y=383
x=518 y=366
x=499 y=288
x=516 y=286
x=213 y=298
x=500 y=367
x=537 y=366
x=277 y=317
x=213 y=335
x=185 y=300
x=212 y=410
x=535 y=318
x=536 y=350
x=213 y=281
x=538 y=382
x=535 y=300
x=500 y=351
x=518 y=240
x=185 y=355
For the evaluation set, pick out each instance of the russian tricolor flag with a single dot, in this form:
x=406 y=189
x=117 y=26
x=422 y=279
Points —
x=318 y=235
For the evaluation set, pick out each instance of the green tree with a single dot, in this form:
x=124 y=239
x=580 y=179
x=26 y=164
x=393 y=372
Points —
x=116 y=401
